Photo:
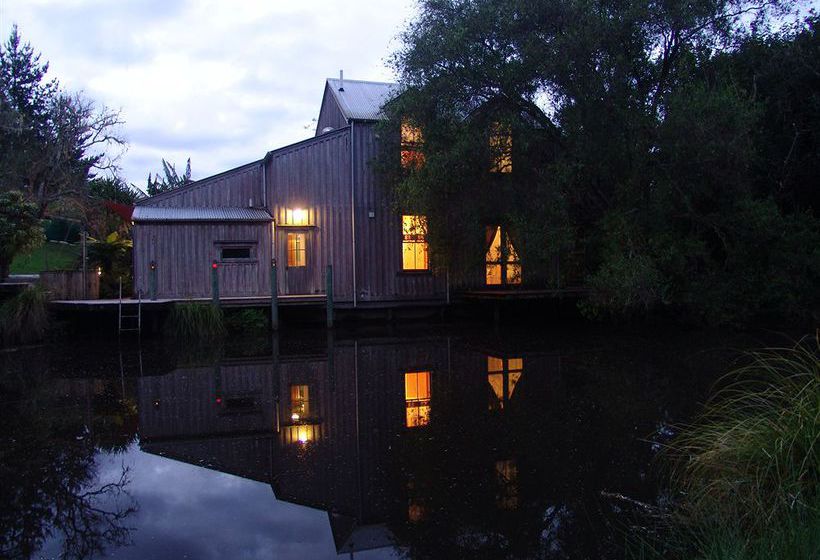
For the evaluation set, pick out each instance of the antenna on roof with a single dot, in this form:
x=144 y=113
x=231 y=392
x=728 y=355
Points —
x=341 y=80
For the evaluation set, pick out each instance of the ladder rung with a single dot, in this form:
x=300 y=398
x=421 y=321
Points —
x=129 y=330
x=130 y=316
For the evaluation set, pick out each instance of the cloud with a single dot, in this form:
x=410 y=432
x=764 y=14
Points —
x=219 y=82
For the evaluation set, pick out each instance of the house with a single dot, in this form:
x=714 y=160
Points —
x=301 y=208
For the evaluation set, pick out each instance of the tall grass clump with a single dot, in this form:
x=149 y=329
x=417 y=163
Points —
x=194 y=322
x=24 y=318
x=747 y=470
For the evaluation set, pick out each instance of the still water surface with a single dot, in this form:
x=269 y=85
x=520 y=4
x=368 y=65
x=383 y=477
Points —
x=452 y=443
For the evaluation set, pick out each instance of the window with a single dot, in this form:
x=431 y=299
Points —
x=414 y=243
x=296 y=217
x=297 y=255
x=506 y=472
x=503 y=374
x=411 y=141
x=299 y=402
x=502 y=264
x=417 y=398
x=501 y=148
x=234 y=253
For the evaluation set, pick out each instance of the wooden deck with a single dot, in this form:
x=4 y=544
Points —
x=500 y=294
x=157 y=304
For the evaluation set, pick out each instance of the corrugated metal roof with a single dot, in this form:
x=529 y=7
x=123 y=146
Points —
x=362 y=100
x=189 y=214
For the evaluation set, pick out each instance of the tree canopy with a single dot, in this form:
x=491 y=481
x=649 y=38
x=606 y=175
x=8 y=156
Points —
x=673 y=143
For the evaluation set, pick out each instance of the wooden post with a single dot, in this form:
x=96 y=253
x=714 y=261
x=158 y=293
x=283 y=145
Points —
x=215 y=283
x=329 y=292
x=152 y=280
x=84 y=238
x=274 y=294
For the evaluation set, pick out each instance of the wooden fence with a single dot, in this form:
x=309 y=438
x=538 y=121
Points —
x=68 y=284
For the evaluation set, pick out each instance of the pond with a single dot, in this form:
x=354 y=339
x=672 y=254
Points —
x=443 y=442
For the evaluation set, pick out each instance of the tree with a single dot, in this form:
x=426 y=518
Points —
x=634 y=136
x=20 y=228
x=170 y=181
x=50 y=141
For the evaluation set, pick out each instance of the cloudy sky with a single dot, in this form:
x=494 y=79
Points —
x=221 y=82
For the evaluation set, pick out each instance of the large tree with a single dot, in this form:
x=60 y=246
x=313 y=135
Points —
x=51 y=141
x=632 y=138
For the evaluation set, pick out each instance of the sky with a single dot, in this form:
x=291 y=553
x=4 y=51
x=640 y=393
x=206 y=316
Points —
x=221 y=82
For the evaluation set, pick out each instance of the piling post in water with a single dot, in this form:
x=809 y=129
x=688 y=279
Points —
x=274 y=294
x=152 y=281
x=329 y=292
x=215 y=283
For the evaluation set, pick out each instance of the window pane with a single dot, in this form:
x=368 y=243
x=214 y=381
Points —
x=494 y=364
x=296 y=249
x=229 y=253
x=414 y=255
x=501 y=148
x=493 y=274
x=299 y=402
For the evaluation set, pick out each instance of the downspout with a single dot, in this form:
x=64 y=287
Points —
x=353 y=205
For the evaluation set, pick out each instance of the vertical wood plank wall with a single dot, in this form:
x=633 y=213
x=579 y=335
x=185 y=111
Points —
x=184 y=252
x=329 y=114
x=233 y=188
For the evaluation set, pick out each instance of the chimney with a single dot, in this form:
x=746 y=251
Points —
x=341 y=80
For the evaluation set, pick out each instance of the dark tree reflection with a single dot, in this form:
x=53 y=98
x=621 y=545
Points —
x=51 y=484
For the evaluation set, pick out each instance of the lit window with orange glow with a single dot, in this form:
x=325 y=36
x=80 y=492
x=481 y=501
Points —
x=414 y=254
x=301 y=434
x=297 y=253
x=411 y=142
x=500 y=148
x=417 y=398
x=503 y=374
x=297 y=217
x=299 y=402
x=502 y=263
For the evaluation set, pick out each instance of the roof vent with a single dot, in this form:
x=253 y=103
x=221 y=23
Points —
x=327 y=129
x=341 y=80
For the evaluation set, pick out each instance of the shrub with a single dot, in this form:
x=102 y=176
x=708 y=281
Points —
x=191 y=322
x=246 y=320
x=24 y=318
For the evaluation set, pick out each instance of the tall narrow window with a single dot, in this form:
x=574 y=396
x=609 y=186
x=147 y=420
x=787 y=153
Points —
x=506 y=472
x=500 y=148
x=502 y=263
x=411 y=141
x=297 y=255
x=299 y=402
x=503 y=374
x=417 y=398
x=414 y=243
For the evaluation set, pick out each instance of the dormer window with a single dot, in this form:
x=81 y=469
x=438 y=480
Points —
x=500 y=148
x=411 y=142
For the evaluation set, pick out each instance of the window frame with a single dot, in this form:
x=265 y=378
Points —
x=251 y=246
x=412 y=238
x=304 y=249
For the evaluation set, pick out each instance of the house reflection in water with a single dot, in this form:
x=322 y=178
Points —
x=365 y=430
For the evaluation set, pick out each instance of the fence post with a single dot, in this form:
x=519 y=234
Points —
x=215 y=283
x=329 y=298
x=274 y=295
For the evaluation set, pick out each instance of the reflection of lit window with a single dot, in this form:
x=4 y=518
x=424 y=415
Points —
x=503 y=266
x=299 y=402
x=411 y=140
x=501 y=148
x=414 y=243
x=296 y=217
x=415 y=511
x=301 y=433
x=417 y=398
x=507 y=475
x=503 y=374
x=297 y=255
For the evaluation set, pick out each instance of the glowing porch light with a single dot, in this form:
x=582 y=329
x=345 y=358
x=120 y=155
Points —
x=294 y=417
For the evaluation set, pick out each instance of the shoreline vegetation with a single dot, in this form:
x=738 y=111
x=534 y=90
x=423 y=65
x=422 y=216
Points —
x=745 y=473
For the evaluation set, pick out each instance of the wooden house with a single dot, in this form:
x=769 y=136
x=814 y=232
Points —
x=303 y=207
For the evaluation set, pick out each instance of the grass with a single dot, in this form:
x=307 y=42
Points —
x=24 y=318
x=246 y=321
x=747 y=471
x=193 y=322
x=50 y=256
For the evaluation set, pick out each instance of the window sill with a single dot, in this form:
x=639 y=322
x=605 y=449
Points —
x=238 y=261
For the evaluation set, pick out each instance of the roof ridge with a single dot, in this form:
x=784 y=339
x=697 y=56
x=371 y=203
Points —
x=364 y=81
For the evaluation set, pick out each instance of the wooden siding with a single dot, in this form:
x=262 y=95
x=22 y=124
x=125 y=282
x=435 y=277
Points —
x=240 y=187
x=378 y=246
x=314 y=175
x=329 y=115
x=184 y=251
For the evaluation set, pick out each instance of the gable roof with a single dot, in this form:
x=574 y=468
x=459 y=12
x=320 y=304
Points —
x=361 y=100
x=197 y=214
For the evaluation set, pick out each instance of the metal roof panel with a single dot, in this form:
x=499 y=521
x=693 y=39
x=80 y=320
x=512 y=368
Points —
x=362 y=100
x=190 y=214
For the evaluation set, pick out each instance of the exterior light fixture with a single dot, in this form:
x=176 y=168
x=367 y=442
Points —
x=99 y=271
x=294 y=417
x=214 y=265
x=152 y=265
x=300 y=216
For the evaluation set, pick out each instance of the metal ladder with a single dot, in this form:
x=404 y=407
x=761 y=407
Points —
x=138 y=316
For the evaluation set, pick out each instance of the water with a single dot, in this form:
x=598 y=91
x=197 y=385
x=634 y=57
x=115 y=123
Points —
x=434 y=443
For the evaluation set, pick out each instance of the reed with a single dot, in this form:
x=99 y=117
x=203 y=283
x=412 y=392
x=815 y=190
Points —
x=193 y=322
x=24 y=318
